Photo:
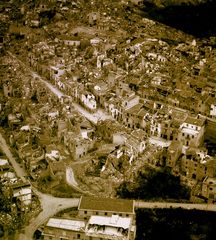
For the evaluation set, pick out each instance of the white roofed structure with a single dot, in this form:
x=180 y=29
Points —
x=3 y=162
x=67 y=224
x=114 y=227
x=114 y=221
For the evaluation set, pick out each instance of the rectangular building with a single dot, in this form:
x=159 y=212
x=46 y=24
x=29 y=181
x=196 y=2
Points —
x=97 y=219
x=89 y=206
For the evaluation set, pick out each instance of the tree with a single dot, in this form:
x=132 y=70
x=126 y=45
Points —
x=89 y=52
x=1 y=230
x=154 y=184
x=4 y=201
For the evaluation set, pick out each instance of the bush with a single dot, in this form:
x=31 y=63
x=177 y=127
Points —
x=175 y=224
x=154 y=184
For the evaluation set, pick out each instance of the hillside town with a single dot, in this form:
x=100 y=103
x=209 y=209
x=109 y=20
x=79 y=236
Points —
x=91 y=95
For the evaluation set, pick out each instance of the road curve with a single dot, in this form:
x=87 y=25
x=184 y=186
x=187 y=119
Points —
x=50 y=205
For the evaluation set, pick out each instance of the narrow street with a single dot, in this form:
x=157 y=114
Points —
x=5 y=148
x=71 y=181
x=70 y=177
x=93 y=117
x=51 y=205
x=57 y=92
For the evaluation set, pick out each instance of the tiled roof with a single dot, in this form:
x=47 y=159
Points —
x=106 y=204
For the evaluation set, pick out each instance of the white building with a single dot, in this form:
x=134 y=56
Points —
x=88 y=100
x=213 y=110
x=95 y=41
x=98 y=218
x=23 y=192
x=192 y=132
x=130 y=100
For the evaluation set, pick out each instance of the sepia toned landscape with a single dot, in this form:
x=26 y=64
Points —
x=107 y=119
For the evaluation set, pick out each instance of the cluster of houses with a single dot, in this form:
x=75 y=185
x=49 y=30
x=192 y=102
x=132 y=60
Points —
x=18 y=191
x=159 y=90
x=137 y=80
x=97 y=218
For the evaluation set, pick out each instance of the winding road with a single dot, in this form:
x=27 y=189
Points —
x=20 y=172
x=51 y=205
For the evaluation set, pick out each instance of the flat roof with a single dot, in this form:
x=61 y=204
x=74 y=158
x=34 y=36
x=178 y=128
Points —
x=73 y=225
x=195 y=121
x=106 y=204
x=22 y=192
x=189 y=131
x=21 y=185
x=113 y=221
x=135 y=109
x=3 y=162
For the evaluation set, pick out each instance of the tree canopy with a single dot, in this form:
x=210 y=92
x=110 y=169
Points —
x=154 y=184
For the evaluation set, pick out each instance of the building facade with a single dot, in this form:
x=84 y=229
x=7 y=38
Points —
x=97 y=219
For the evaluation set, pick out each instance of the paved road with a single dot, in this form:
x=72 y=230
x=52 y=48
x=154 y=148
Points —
x=93 y=117
x=5 y=148
x=188 y=206
x=50 y=205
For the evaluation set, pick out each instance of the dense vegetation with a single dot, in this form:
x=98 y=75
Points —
x=9 y=220
x=154 y=184
x=4 y=201
x=175 y=224
x=193 y=17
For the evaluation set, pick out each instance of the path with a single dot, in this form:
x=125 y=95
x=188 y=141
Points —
x=6 y=149
x=50 y=205
x=188 y=206
x=93 y=117
x=70 y=177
